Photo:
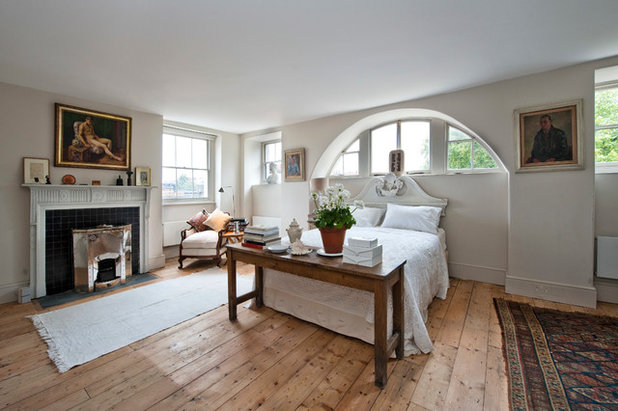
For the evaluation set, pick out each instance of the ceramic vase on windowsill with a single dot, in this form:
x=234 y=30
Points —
x=332 y=239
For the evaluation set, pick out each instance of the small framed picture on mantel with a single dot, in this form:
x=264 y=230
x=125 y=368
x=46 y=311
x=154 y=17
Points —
x=36 y=170
x=142 y=176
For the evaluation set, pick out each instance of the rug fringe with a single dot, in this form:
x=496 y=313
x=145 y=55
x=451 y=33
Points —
x=53 y=350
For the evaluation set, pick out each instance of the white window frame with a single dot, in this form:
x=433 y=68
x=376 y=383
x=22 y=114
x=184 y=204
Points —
x=471 y=138
x=438 y=150
x=263 y=161
x=610 y=167
x=194 y=133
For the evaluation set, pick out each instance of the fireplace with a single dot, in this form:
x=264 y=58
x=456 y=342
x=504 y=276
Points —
x=57 y=209
x=101 y=257
x=59 y=253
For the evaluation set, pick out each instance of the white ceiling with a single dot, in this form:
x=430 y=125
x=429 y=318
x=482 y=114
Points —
x=244 y=65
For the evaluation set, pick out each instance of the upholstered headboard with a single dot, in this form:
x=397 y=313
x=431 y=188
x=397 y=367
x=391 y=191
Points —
x=397 y=190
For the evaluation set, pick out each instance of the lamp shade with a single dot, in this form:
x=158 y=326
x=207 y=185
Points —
x=318 y=185
x=221 y=190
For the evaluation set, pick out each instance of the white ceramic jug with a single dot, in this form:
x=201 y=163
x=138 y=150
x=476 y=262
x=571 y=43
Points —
x=294 y=231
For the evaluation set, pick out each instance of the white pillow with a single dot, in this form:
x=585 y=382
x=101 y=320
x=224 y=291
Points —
x=419 y=218
x=217 y=220
x=368 y=216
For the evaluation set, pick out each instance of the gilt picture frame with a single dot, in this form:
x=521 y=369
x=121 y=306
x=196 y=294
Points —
x=92 y=139
x=294 y=165
x=142 y=176
x=549 y=137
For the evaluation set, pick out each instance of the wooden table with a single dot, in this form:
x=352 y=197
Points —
x=378 y=279
x=233 y=237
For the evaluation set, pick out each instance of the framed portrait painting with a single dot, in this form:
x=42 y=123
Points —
x=92 y=139
x=295 y=165
x=549 y=137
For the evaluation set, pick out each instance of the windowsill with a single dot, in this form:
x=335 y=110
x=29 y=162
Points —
x=601 y=168
x=167 y=203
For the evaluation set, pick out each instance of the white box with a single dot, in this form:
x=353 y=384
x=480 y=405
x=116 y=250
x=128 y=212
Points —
x=361 y=251
x=362 y=242
x=366 y=262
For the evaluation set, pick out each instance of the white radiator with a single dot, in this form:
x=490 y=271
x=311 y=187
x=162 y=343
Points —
x=607 y=257
x=171 y=232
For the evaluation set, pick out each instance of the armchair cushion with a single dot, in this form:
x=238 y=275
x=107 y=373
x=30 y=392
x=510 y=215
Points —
x=198 y=220
x=217 y=220
x=204 y=239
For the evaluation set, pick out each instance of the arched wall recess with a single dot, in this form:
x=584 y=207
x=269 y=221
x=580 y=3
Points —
x=328 y=157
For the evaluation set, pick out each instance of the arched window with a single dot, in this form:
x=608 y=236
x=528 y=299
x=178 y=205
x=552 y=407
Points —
x=431 y=146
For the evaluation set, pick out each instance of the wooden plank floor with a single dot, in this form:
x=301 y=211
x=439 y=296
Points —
x=269 y=360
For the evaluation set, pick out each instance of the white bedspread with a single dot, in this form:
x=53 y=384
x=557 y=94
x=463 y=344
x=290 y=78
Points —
x=349 y=311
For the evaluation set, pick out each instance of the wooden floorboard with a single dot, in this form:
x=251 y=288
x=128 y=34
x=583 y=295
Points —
x=269 y=360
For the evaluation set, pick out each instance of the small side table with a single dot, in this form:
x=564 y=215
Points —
x=233 y=237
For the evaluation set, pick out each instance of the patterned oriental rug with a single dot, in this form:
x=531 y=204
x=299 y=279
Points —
x=559 y=360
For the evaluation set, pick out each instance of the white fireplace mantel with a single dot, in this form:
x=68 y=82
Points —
x=45 y=197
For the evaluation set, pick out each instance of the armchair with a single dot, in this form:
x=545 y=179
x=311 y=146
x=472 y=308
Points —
x=204 y=239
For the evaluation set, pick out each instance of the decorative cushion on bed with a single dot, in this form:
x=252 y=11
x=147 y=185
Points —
x=198 y=220
x=217 y=220
x=419 y=218
x=368 y=216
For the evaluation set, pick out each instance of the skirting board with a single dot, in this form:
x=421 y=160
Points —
x=8 y=293
x=477 y=273
x=561 y=293
x=607 y=290
x=156 y=262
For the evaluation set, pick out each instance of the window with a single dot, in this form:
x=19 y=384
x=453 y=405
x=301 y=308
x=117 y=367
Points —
x=606 y=126
x=431 y=145
x=186 y=164
x=410 y=136
x=347 y=164
x=464 y=152
x=271 y=157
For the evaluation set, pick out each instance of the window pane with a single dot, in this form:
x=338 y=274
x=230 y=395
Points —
x=272 y=152
x=482 y=159
x=455 y=134
x=200 y=183
x=199 y=152
x=185 y=184
x=415 y=144
x=355 y=146
x=606 y=145
x=606 y=107
x=459 y=155
x=383 y=140
x=350 y=164
x=169 y=150
x=183 y=152
x=338 y=167
x=168 y=182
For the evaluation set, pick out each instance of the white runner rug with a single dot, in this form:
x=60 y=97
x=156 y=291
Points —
x=83 y=332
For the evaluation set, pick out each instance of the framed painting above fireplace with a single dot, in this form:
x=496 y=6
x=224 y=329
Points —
x=92 y=139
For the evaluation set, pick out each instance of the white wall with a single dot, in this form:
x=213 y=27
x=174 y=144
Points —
x=539 y=226
x=27 y=130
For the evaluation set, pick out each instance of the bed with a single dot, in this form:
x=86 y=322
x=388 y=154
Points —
x=350 y=312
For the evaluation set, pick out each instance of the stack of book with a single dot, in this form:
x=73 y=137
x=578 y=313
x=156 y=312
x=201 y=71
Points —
x=258 y=236
x=362 y=251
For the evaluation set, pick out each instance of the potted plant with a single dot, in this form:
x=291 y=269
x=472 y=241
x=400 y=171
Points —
x=333 y=216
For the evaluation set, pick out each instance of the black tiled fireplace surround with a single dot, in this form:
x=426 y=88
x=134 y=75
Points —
x=58 y=240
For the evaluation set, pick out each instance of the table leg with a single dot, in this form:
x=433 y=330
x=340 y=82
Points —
x=231 y=286
x=398 y=325
x=380 y=340
x=259 y=285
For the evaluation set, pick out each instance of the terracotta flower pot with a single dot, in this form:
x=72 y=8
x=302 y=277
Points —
x=332 y=239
